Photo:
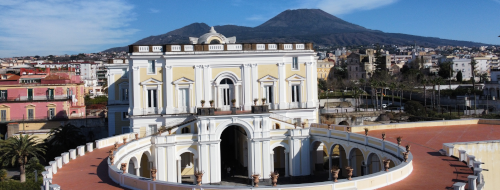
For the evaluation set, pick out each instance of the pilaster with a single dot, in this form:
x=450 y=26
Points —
x=168 y=94
x=171 y=165
x=310 y=70
x=267 y=166
x=207 y=89
x=255 y=84
x=136 y=92
x=282 y=86
x=247 y=88
x=198 y=82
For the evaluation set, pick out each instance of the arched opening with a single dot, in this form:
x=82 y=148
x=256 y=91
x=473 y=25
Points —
x=185 y=130
x=279 y=160
x=277 y=126
x=356 y=161
x=234 y=154
x=338 y=158
x=226 y=94
x=131 y=167
x=145 y=168
x=392 y=164
x=374 y=164
x=319 y=161
x=187 y=168
x=344 y=123
x=215 y=41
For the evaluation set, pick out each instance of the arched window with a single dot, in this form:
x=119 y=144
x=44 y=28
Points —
x=214 y=41
x=226 y=81
x=185 y=130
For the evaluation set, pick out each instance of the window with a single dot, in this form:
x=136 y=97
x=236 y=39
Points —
x=295 y=63
x=3 y=115
x=185 y=130
x=152 y=129
x=124 y=115
x=268 y=93
x=152 y=101
x=124 y=94
x=151 y=67
x=31 y=114
x=3 y=95
x=295 y=93
x=125 y=130
x=50 y=94
x=52 y=113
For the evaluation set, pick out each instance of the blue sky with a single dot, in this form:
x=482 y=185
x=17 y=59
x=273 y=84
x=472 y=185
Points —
x=43 y=27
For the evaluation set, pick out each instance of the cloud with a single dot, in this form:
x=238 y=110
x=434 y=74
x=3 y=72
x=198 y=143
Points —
x=56 y=27
x=257 y=18
x=338 y=7
x=154 y=10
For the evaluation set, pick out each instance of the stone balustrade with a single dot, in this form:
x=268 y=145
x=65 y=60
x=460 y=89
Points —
x=80 y=150
x=90 y=147
x=110 y=141
x=219 y=47
x=65 y=157
x=59 y=162
x=72 y=154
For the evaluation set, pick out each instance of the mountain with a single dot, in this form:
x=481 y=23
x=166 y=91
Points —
x=302 y=25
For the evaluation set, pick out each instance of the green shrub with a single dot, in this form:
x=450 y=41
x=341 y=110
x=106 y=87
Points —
x=415 y=108
x=3 y=174
x=16 y=185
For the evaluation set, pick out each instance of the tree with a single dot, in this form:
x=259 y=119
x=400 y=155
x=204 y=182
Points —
x=62 y=139
x=473 y=64
x=459 y=76
x=414 y=108
x=392 y=86
x=445 y=70
x=105 y=86
x=17 y=149
x=322 y=84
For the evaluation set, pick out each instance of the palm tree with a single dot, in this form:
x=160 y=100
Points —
x=63 y=138
x=392 y=86
x=375 y=85
x=473 y=64
x=401 y=87
x=17 y=149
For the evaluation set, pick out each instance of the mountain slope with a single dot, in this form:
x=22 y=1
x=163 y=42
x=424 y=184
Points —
x=302 y=25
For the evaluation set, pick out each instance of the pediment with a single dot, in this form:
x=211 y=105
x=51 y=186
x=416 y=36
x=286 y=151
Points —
x=151 y=81
x=295 y=77
x=268 y=78
x=183 y=80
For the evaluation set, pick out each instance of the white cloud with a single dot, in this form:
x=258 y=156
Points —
x=257 y=18
x=154 y=10
x=338 y=7
x=58 y=26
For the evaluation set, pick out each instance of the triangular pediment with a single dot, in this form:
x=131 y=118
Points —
x=295 y=77
x=183 y=80
x=151 y=81
x=268 y=78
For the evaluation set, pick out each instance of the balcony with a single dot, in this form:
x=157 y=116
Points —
x=35 y=99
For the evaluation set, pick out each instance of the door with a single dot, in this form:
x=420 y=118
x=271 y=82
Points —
x=268 y=94
x=184 y=100
x=30 y=94
x=152 y=101
x=295 y=103
x=226 y=97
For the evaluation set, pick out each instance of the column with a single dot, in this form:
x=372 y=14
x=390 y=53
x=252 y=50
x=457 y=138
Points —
x=255 y=84
x=472 y=182
x=330 y=166
x=286 y=163
x=198 y=82
x=257 y=158
x=134 y=89
x=272 y=161
x=282 y=86
x=237 y=95
x=247 y=88
x=171 y=170
x=179 y=171
x=137 y=171
x=266 y=164
x=215 y=172
x=203 y=161
x=168 y=88
x=207 y=90
x=250 y=158
x=309 y=84
x=304 y=157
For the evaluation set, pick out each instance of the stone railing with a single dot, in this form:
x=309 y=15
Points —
x=473 y=153
x=220 y=47
x=371 y=181
x=112 y=140
x=59 y=162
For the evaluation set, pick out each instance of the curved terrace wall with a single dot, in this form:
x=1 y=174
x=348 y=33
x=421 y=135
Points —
x=329 y=136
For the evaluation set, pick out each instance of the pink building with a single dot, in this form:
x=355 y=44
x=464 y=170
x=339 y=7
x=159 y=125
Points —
x=39 y=94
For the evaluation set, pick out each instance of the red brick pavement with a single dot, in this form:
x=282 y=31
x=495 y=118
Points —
x=87 y=172
x=430 y=169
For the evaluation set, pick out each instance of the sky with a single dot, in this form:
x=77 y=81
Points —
x=57 y=27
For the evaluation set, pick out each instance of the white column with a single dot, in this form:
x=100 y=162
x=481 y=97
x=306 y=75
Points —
x=287 y=163
x=304 y=158
x=204 y=165
x=247 y=91
x=272 y=161
x=266 y=164
x=309 y=84
x=255 y=84
x=237 y=95
x=282 y=86
x=472 y=182
x=171 y=169
x=258 y=158
x=198 y=82
x=137 y=171
x=207 y=90
x=195 y=162
x=215 y=172
x=250 y=158
x=179 y=171
x=136 y=92
x=168 y=88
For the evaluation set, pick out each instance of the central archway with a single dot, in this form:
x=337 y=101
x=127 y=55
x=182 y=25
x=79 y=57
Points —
x=234 y=154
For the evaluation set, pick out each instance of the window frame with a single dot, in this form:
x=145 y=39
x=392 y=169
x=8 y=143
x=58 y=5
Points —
x=295 y=64
x=152 y=65
x=33 y=114
x=2 y=118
